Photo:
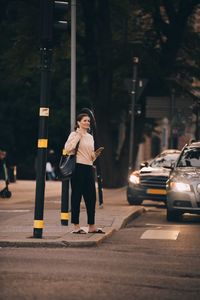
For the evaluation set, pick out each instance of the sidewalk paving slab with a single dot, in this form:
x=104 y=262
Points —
x=16 y=230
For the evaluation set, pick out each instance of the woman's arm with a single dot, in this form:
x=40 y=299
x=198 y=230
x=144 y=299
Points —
x=72 y=141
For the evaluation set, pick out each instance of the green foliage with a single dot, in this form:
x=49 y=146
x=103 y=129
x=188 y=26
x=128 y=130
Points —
x=19 y=78
x=20 y=85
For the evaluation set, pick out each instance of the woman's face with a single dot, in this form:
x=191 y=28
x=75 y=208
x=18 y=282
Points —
x=84 y=123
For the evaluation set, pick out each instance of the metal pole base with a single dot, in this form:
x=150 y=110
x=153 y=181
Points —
x=65 y=203
x=64 y=222
x=37 y=233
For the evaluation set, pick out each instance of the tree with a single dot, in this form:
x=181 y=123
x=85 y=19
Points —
x=109 y=34
x=159 y=31
x=20 y=85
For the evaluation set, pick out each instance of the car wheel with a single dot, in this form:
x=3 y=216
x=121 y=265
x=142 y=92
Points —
x=134 y=201
x=173 y=215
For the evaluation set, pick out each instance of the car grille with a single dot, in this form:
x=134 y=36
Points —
x=182 y=203
x=154 y=181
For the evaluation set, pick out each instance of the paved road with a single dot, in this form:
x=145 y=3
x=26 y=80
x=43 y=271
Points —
x=126 y=266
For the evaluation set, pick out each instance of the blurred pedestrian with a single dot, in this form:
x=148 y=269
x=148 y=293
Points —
x=83 y=180
x=50 y=174
x=5 y=193
x=3 y=166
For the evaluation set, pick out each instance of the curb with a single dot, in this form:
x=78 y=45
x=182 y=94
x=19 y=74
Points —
x=61 y=243
x=132 y=216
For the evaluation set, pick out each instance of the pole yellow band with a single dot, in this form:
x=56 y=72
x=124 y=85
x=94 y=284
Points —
x=64 y=216
x=42 y=143
x=38 y=224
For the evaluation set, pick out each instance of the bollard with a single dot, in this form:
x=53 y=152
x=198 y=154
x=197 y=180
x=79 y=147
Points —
x=65 y=203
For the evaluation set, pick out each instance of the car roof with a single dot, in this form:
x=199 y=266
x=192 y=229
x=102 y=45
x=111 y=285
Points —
x=170 y=151
x=194 y=145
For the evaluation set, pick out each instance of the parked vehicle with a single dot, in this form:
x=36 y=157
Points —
x=183 y=186
x=150 y=181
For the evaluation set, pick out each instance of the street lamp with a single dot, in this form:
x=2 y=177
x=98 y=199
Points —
x=172 y=111
x=132 y=112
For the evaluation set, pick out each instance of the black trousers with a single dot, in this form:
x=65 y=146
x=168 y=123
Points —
x=83 y=184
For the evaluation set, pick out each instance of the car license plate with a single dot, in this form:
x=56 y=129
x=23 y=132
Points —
x=156 y=191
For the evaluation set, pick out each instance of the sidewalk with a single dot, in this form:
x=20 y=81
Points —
x=17 y=216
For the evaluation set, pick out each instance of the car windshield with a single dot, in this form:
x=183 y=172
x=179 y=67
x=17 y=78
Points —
x=164 y=160
x=190 y=158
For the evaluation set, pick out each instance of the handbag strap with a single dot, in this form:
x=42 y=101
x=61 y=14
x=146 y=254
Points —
x=76 y=149
x=64 y=152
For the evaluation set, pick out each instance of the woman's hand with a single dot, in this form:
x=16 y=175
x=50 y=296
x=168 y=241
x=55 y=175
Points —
x=79 y=131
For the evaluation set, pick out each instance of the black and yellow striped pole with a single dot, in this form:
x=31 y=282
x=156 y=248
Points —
x=46 y=57
x=65 y=214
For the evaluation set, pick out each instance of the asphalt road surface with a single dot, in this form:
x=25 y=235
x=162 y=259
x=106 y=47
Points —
x=150 y=259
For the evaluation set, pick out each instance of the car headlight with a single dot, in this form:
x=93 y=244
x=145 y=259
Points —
x=180 y=186
x=134 y=179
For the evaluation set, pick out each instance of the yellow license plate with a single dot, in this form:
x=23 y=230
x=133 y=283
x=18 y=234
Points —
x=156 y=191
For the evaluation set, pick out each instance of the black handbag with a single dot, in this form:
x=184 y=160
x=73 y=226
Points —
x=67 y=164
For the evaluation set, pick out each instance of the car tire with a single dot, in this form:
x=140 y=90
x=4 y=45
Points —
x=173 y=215
x=134 y=201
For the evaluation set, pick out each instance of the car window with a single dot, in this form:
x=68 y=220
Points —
x=190 y=158
x=164 y=160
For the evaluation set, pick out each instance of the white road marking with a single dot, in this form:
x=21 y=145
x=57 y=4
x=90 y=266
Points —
x=15 y=210
x=161 y=225
x=160 y=234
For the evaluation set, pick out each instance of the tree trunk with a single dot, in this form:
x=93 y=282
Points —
x=98 y=50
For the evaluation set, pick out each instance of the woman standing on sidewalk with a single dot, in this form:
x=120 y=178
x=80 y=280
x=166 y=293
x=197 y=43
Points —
x=83 y=182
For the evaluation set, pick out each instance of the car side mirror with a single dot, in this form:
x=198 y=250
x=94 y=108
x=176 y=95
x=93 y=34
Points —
x=169 y=165
x=172 y=165
x=144 y=164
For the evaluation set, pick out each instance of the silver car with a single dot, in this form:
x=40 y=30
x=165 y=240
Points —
x=183 y=185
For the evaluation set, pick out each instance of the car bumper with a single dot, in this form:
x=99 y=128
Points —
x=185 y=202
x=146 y=193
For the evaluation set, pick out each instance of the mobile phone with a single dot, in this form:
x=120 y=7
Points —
x=99 y=149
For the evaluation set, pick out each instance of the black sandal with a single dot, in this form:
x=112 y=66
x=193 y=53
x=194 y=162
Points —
x=98 y=230
x=79 y=231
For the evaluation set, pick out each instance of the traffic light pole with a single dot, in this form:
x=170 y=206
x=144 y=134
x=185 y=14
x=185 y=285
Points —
x=46 y=61
x=48 y=12
x=132 y=112
x=172 y=110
